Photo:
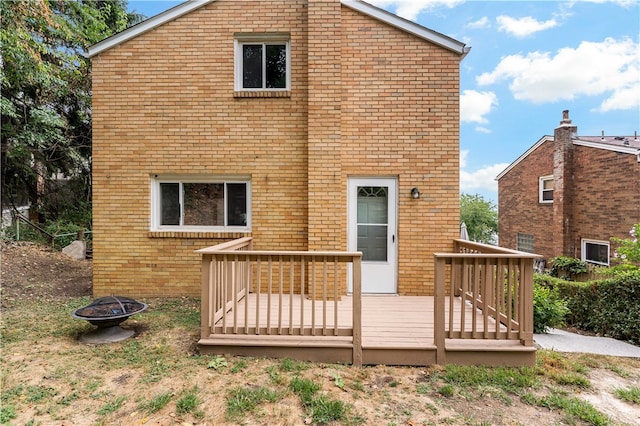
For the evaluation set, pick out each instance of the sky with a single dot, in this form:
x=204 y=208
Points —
x=529 y=61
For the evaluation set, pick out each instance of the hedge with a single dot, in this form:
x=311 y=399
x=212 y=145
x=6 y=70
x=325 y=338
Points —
x=609 y=307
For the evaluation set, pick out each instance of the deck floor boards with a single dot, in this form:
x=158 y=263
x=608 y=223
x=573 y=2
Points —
x=387 y=321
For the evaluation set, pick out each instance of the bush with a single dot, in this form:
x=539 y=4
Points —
x=549 y=309
x=567 y=268
x=608 y=307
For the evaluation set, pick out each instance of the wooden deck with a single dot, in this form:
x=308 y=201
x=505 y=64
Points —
x=396 y=330
x=294 y=304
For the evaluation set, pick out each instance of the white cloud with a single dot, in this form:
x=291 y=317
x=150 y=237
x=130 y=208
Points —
x=480 y=23
x=410 y=9
x=475 y=105
x=482 y=179
x=482 y=129
x=610 y=68
x=523 y=27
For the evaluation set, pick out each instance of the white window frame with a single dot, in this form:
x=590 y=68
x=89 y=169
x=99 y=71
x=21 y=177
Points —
x=583 y=250
x=541 y=189
x=156 y=210
x=264 y=39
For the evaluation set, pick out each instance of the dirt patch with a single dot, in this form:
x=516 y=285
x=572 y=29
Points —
x=33 y=272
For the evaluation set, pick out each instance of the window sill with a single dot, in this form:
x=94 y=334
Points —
x=262 y=94
x=198 y=235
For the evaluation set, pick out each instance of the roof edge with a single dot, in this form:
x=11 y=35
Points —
x=409 y=26
x=574 y=141
x=146 y=25
x=358 y=5
x=616 y=148
x=545 y=138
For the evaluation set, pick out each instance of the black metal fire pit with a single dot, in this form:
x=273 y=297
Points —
x=107 y=313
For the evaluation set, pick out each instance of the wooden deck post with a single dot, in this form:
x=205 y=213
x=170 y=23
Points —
x=357 y=311
x=438 y=311
x=205 y=304
x=526 y=300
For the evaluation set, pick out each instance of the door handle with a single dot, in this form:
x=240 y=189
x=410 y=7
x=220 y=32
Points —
x=393 y=238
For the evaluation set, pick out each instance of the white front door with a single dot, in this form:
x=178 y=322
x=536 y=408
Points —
x=372 y=230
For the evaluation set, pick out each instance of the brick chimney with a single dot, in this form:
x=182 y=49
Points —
x=562 y=228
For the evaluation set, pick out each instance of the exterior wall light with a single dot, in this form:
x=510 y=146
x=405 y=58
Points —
x=415 y=193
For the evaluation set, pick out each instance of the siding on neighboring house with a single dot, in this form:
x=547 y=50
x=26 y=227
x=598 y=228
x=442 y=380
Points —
x=366 y=99
x=597 y=198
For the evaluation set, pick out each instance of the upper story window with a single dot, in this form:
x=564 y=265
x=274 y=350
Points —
x=196 y=204
x=595 y=252
x=262 y=62
x=546 y=189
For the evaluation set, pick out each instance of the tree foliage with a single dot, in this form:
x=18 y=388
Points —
x=480 y=216
x=46 y=90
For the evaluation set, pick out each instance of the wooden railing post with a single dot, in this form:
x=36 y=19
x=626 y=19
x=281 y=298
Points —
x=438 y=310
x=357 y=311
x=205 y=304
x=526 y=302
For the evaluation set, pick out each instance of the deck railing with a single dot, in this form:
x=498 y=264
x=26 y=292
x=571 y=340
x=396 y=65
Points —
x=232 y=271
x=498 y=285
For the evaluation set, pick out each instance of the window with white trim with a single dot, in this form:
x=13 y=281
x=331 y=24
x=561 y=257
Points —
x=197 y=204
x=262 y=62
x=546 y=189
x=594 y=251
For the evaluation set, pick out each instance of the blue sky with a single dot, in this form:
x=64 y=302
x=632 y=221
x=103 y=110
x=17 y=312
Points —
x=529 y=61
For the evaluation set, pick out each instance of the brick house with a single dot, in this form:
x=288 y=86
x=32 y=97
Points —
x=569 y=195
x=304 y=124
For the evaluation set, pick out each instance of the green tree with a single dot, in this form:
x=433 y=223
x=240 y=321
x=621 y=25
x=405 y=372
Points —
x=46 y=90
x=480 y=216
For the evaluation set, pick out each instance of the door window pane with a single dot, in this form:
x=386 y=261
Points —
x=373 y=204
x=372 y=242
x=373 y=216
x=170 y=204
x=204 y=204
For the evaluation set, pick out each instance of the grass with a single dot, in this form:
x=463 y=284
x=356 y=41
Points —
x=153 y=375
x=188 y=403
x=244 y=400
x=156 y=403
x=630 y=394
x=573 y=408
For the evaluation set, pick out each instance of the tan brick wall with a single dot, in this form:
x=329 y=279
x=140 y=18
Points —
x=163 y=103
x=400 y=118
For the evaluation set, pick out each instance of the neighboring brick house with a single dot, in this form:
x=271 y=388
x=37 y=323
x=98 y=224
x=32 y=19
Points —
x=569 y=195
x=277 y=120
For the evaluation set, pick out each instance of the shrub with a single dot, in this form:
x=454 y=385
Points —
x=609 y=307
x=567 y=267
x=628 y=250
x=549 y=309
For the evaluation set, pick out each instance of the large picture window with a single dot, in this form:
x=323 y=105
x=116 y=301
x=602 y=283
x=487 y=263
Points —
x=199 y=204
x=262 y=62
x=595 y=252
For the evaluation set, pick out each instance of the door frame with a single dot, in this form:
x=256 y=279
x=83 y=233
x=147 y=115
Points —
x=392 y=237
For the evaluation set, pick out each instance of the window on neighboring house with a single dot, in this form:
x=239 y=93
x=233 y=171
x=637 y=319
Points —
x=201 y=204
x=524 y=242
x=594 y=251
x=546 y=189
x=262 y=62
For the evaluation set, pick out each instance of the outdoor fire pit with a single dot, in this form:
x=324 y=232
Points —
x=107 y=313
